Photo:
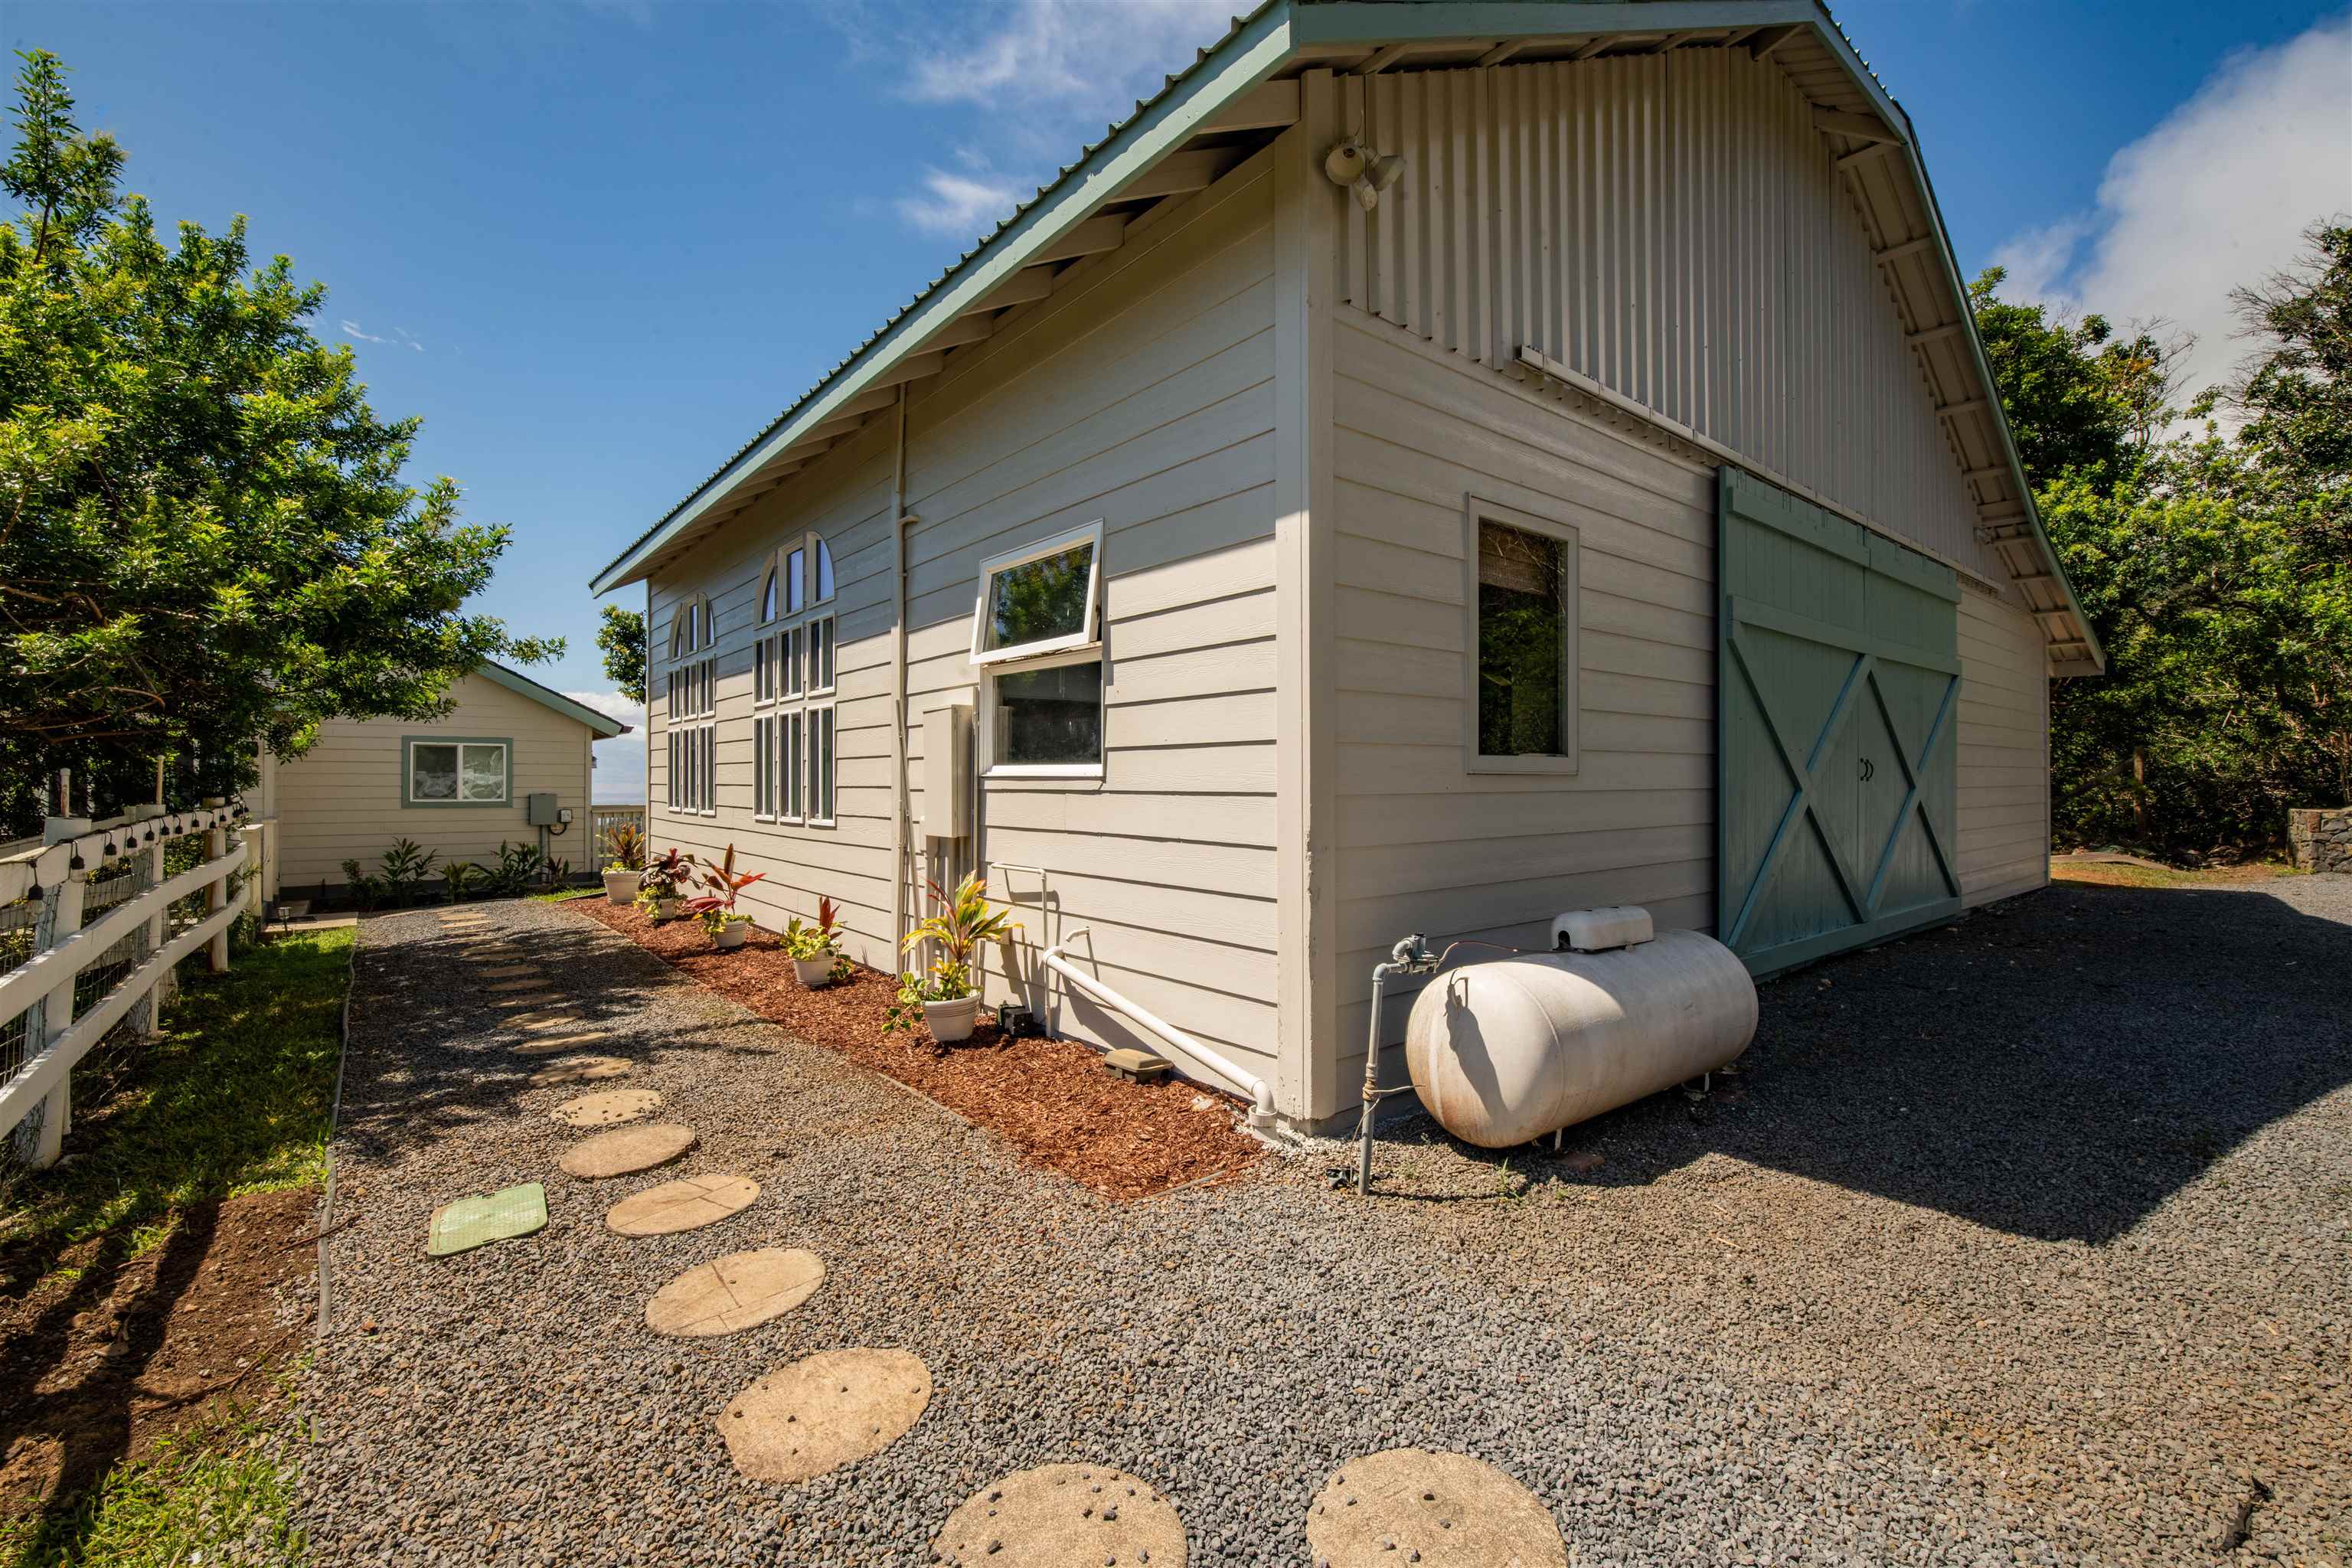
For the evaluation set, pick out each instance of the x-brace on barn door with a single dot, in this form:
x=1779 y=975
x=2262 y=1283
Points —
x=1837 y=681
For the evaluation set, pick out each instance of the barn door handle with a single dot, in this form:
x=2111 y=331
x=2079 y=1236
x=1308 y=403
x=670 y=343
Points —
x=1867 y=770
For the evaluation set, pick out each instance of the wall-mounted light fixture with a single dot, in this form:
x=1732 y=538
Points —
x=1357 y=168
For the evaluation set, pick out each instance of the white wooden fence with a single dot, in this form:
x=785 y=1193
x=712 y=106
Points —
x=127 y=939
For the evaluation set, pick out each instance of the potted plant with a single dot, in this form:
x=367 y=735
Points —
x=716 y=908
x=811 y=947
x=947 y=997
x=626 y=845
x=661 y=885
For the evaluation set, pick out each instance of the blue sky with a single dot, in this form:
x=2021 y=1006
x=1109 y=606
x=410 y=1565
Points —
x=596 y=247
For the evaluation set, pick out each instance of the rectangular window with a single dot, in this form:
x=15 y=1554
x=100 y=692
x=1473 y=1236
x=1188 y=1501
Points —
x=1521 y=572
x=763 y=767
x=455 y=772
x=791 y=770
x=819 y=750
x=1044 y=719
x=1039 y=600
x=763 y=671
x=820 y=654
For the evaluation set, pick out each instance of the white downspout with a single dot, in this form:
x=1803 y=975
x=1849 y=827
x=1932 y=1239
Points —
x=1261 y=1094
x=899 y=807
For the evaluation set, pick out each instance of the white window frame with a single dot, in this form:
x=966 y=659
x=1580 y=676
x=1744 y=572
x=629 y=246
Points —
x=691 y=704
x=790 y=638
x=830 y=792
x=1087 y=636
x=1477 y=509
x=990 y=768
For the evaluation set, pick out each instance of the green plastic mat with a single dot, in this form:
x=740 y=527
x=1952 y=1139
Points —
x=471 y=1222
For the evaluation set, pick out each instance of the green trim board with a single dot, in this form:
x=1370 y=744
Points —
x=1837 y=684
x=408 y=744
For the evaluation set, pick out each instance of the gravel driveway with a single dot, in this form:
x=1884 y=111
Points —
x=2025 y=1242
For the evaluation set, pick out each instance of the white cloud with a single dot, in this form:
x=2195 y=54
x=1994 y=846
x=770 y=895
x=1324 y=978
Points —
x=957 y=205
x=1085 y=52
x=2216 y=194
x=402 y=337
x=1051 y=74
x=621 y=761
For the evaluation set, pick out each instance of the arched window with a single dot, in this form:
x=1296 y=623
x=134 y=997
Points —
x=793 y=682
x=691 y=718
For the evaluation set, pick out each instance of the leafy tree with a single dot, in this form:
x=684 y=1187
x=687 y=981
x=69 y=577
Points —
x=204 y=539
x=2215 y=566
x=621 y=637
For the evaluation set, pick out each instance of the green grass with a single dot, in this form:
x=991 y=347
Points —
x=219 y=1492
x=565 y=895
x=234 y=1099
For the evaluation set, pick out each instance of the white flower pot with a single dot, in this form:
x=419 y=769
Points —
x=951 y=1021
x=816 y=973
x=731 y=935
x=665 y=908
x=621 y=887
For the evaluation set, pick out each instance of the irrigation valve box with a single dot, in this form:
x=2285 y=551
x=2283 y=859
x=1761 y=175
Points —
x=946 y=772
x=540 y=810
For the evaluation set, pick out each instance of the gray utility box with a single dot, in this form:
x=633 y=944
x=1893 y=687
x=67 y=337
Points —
x=539 y=809
x=946 y=772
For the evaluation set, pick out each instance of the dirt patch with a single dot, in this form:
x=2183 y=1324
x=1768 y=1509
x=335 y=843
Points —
x=1051 y=1099
x=110 y=1353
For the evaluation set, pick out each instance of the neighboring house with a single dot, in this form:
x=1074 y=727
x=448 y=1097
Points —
x=1619 y=510
x=460 y=785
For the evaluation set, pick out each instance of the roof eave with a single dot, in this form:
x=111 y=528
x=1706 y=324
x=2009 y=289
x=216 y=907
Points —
x=604 y=724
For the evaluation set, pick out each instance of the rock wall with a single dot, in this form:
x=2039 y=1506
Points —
x=2321 y=839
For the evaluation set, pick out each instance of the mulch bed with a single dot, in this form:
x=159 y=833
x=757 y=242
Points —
x=1050 y=1099
x=110 y=1353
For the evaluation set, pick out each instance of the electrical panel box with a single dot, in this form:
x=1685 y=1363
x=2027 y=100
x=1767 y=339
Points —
x=540 y=810
x=946 y=772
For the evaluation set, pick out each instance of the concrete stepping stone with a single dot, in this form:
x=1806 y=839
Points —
x=605 y=1110
x=1451 y=1511
x=738 y=1291
x=535 y=999
x=514 y=972
x=540 y=1023
x=824 y=1411
x=561 y=1043
x=520 y=982
x=578 y=1070
x=688 y=1203
x=1063 y=1516
x=469 y=1222
x=626 y=1151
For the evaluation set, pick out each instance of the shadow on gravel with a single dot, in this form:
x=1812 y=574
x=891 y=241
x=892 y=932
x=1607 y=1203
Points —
x=2055 y=1067
x=432 y=1046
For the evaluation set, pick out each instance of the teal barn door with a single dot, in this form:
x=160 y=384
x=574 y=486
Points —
x=1837 y=678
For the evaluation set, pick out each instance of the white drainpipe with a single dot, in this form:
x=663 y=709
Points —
x=1261 y=1094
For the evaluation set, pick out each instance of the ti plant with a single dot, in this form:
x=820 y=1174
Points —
x=958 y=922
x=664 y=879
x=624 y=847
x=807 y=941
x=517 y=865
x=460 y=877
x=716 y=907
x=405 y=866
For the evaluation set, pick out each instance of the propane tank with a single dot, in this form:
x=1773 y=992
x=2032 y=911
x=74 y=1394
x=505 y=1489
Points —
x=1504 y=1051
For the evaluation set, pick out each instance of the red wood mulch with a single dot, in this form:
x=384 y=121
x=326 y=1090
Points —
x=1051 y=1099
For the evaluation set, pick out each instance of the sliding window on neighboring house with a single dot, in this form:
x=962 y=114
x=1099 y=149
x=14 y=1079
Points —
x=435 y=771
x=691 y=690
x=793 y=675
x=1036 y=636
